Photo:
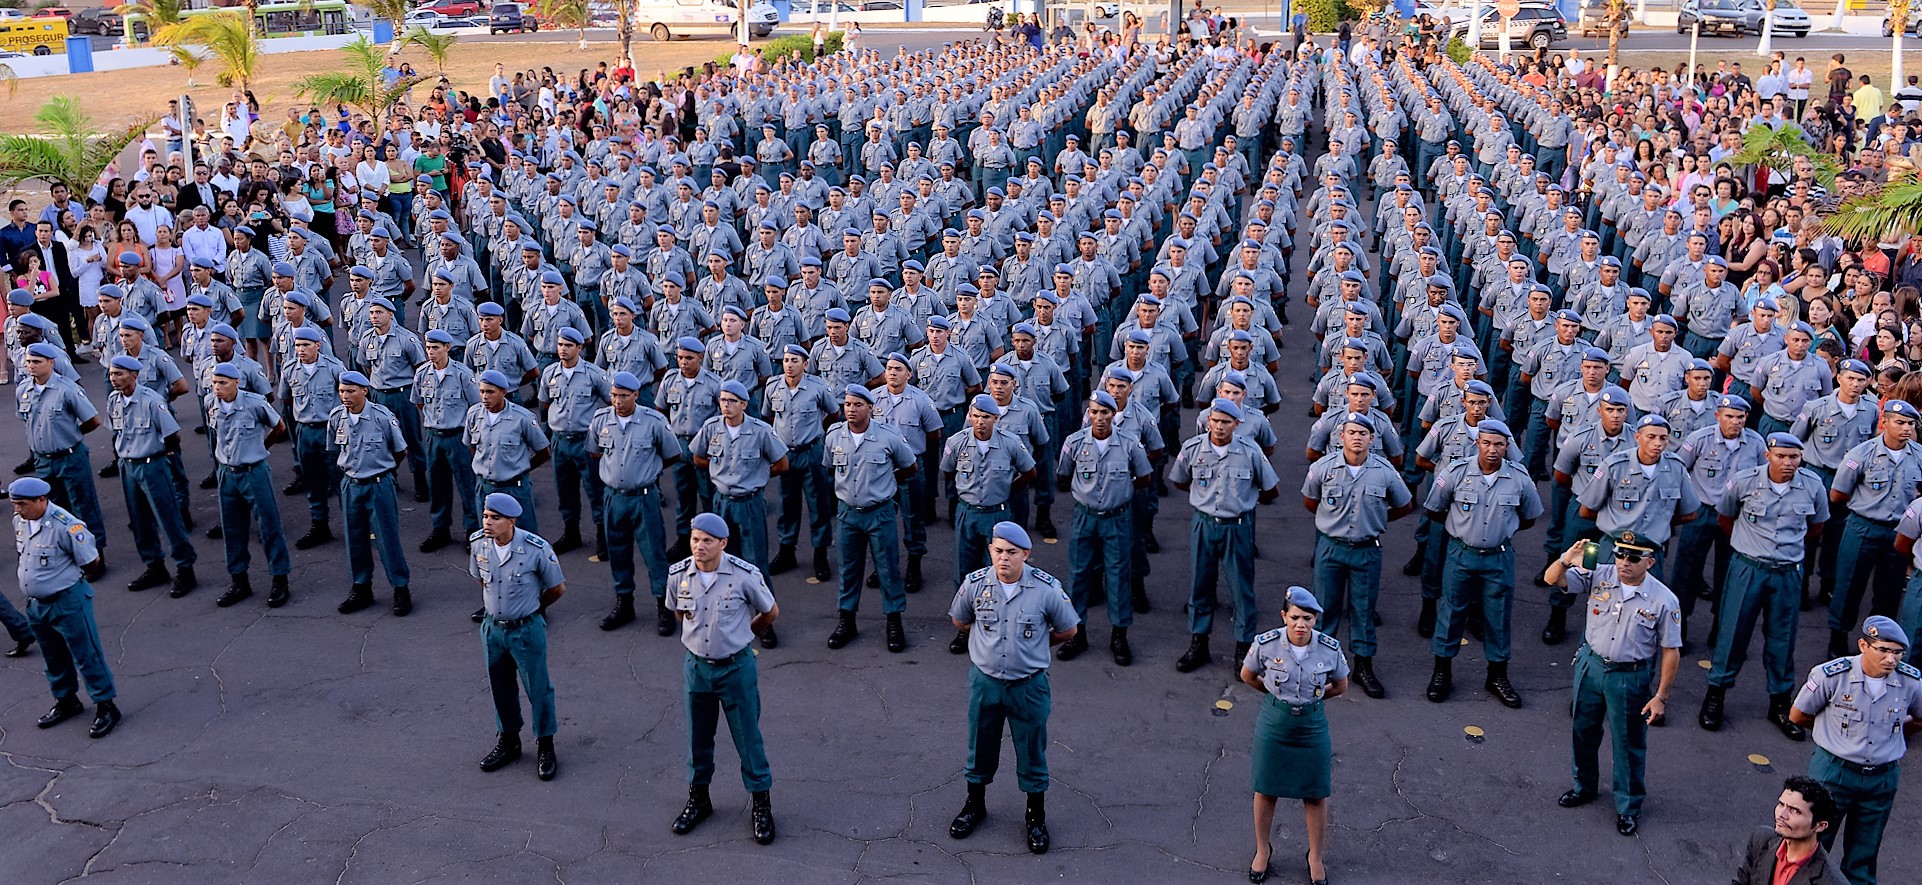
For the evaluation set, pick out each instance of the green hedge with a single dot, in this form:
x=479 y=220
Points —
x=1459 y=51
x=793 y=45
x=1324 y=16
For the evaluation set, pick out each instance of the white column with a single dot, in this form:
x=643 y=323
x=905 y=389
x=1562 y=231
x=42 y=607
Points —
x=1768 y=29
x=1475 y=24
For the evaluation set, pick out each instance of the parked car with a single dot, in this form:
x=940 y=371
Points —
x=509 y=17
x=882 y=6
x=97 y=20
x=452 y=8
x=1535 y=25
x=1107 y=10
x=423 y=18
x=53 y=12
x=11 y=15
x=1731 y=17
x=1788 y=18
x=1914 y=26
x=665 y=20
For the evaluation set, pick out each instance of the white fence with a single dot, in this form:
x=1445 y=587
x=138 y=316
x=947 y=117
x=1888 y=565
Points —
x=147 y=57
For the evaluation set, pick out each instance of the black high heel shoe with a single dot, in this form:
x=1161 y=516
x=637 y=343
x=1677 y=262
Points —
x=1311 y=871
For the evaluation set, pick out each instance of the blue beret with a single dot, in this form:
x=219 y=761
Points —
x=1226 y=407
x=1477 y=385
x=1666 y=320
x=1875 y=628
x=1698 y=365
x=382 y=303
x=1715 y=261
x=1614 y=396
x=355 y=378
x=837 y=315
x=939 y=322
x=1803 y=328
x=112 y=290
x=29 y=487
x=734 y=389
x=1731 y=401
x=1594 y=355
x=710 y=524
x=496 y=378
x=1119 y=372
x=1013 y=533
x=204 y=262
x=1103 y=399
x=1779 y=440
x=283 y=269
x=490 y=309
x=1856 y=366
x=571 y=335
x=622 y=250
x=553 y=278
x=1898 y=407
x=626 y=380
x=240 y=229
x=1568 y=314
x=985 y=403
x=1490 y=425
x=795 y=350
x=358 y=271
x=224 y=331
x=135 y=323
x=1611 y=261
x=123 y=361
x=504 y=504
x=294 y=297
x=380 y=232
x=1240 y=380
x=690 y=344
x=227 y=370
x=1300 y=598
x=309 y=333
x=132 y=258
x=1003 y=369
x=199 y=300
x=858 y=390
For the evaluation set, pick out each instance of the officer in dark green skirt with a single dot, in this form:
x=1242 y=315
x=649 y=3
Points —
x=1012 y=615
x=1298 y=667
x=1861 y=709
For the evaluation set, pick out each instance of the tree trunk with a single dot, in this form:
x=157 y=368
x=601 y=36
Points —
x=1616 y=9
x=625 y=9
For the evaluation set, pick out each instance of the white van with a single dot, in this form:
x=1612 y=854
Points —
x=667 y=19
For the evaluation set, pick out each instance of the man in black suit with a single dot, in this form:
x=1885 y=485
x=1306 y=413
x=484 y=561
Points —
x=63 y=309
x=1802 y=813
x=201 y=192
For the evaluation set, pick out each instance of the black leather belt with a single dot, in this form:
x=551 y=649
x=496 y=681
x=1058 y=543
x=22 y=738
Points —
x=1767 y=564
x=1887 y=524
x=59 y=454
x=511 y=483
x=370 y=480
x=1295 y=709
x=987 y=508
x=718 y=662
x=1222 y=520
x=1616 y=666
x=571 y=435
x=1856 y=767
x=744 y=496
x=1485 y=551
x=868 y=509
x=631 y=493
x=390 y=391
x=513 y=623
x=240 y=468
x=1370 y=542
x=145 y=459
x=1104 y=514
x=314 y=424
x=446 y=431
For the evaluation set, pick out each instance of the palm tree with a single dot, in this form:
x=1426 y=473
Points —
x=624 y=26
x=1777 y=147
x=227 y=37
x=437 y=46
x=394 y=11
x=362 y=84
x=161 y=15
x=12 y=79
x=1881 y=214
x=70 y=148
x=1614 y=16
x=565 y=14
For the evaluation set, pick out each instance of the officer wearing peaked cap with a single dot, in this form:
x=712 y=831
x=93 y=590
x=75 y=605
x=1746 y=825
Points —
x=1861 y=709
x=58 y=555
x=1296 y=667
x=1634 y=626
x=1012 y=614
x=1769 y=512
x=1481 y=502
x=520 y=577
x=721 y=601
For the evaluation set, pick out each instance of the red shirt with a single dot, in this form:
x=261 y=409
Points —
x=1786 y=869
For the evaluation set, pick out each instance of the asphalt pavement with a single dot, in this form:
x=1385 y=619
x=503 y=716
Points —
x=297 y=745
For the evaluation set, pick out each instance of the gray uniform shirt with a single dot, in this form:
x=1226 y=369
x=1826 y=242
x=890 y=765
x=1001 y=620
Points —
x=631 y=451
x=1625 y=623
x=512 y=580
x=1291 y=679
x=1628 y=498
x=718 y=610
x=864 y=469
x=52 y=549
x=1101 y=473
x=504 y=447
x=1011 y=622
x=984 y=471
x=1770 y=525
x=1354 y=501
x=739 y=461
x=1850 y=721
x=141 y=422
x=1878 y=481
x=1226 y=483
x=1483 y=510
x=367 y=444
x=240 y=428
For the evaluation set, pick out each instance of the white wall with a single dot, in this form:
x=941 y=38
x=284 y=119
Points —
x=123 y=59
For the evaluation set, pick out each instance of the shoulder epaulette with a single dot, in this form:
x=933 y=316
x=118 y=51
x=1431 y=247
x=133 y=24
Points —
x=1328 y=640
x=1836 y=667
x=1908 y=671
x=477 y=535
x=1269 y=636
x=535 y=540
x=679 y=566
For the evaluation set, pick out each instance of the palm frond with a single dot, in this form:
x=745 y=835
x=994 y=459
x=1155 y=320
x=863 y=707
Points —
x=1777 y=148
x=437 y=46
x=1889 y=211
x=226 y=38
x=70 y=147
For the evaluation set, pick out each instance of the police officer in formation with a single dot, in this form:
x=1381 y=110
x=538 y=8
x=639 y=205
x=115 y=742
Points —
x=1481 y=503
x=1103 y=471
x=146 y=438
x=519 y=577
x=243 y=426
x=721 y=601
x=1012 y=614
x=740 y=453
x=58 y=556
x=1226 y=476
x=368 y=445
x=445 y=391
x=868 y=460
x=631 y=444
x=1354 y=494
x=1861 y=709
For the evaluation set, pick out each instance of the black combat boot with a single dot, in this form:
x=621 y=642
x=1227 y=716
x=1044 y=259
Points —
x=1196 y=656
x=973 y=812
x=698 y=808
x=623 y=613
x=1442 y=681
x=844 y=631
x=761 y=818
x=359 y=596
x=1037 y=820
x=1499 y=686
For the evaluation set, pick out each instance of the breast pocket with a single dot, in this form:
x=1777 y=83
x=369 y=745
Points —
x=1026 y=626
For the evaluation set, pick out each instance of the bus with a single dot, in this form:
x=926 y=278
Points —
x=297 y=18
x=35 y=36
